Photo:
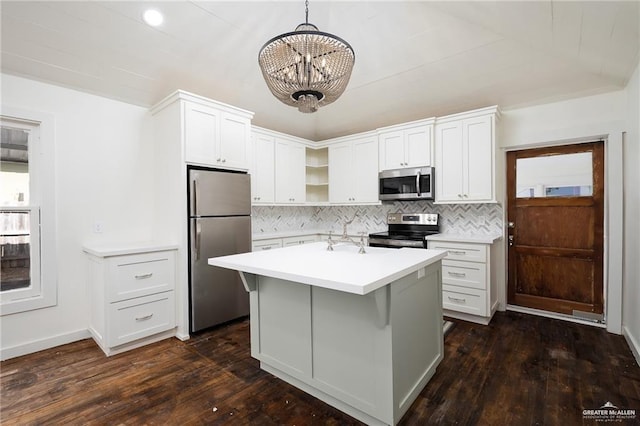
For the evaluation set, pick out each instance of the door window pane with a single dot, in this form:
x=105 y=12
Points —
x=561 y=175
x=15 y=223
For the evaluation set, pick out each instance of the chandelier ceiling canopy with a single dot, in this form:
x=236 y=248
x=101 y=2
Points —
x=306 y=68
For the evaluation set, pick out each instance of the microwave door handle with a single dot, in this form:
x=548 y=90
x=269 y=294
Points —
x=418 y=183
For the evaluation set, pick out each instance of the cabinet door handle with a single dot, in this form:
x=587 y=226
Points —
x=143 y=276
x=144 y=318
x=458 y=252
x=455 y=299
x=457 y=274
x=224 y=160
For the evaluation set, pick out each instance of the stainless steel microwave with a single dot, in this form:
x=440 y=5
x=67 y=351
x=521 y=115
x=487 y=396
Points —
x=406 y=184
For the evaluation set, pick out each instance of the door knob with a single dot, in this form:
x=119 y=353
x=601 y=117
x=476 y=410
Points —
x=511 y=225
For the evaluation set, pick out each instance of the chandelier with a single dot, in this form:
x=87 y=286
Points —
x=306 y=68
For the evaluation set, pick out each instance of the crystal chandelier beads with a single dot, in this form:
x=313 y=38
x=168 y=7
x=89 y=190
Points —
x=306 y=68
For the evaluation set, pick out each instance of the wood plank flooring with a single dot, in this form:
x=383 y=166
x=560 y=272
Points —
x=519 y=370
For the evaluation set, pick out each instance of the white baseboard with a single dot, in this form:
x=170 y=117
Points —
x=39 y=345
x=633 y=343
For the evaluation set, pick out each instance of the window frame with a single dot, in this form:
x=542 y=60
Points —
x=42 y=212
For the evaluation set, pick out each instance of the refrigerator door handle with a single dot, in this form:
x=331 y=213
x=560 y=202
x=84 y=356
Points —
x=198 y=235
x=195 y=197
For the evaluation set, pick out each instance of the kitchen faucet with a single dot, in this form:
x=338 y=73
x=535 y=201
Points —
x=346 y=238
x=344 y=226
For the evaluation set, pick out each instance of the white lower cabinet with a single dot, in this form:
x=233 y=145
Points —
x=294 y=241
x=274 y=243
x=270 y=244
x=140 y=317
x=468 y=292
x=132 y=296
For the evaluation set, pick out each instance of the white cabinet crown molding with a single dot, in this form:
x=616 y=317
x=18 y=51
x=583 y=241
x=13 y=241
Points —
x=276 y=134
x=409 y=124
x=495 y=109
x=191 y=97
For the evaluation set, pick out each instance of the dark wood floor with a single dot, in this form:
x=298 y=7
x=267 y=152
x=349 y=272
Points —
x=519 y=370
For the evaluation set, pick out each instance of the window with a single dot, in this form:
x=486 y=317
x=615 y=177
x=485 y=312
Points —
x=557 y=175
x=26 y=214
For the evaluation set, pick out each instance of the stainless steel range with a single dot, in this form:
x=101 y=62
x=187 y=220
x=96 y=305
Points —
x=406 y=230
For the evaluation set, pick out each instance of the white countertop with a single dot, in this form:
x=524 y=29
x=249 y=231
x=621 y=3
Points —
x=107 y=250
x=342 y=269
x=465 y=238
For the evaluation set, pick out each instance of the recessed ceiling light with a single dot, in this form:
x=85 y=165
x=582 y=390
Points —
x=152 y=17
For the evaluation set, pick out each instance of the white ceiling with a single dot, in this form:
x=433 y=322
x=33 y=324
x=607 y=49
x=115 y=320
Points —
x=414 y=59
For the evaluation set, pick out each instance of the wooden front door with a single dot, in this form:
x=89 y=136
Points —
x=555 y=211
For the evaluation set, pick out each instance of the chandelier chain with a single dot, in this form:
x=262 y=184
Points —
x=306 y=12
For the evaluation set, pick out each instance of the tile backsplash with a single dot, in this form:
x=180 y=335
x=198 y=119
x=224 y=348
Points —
x=481 y=219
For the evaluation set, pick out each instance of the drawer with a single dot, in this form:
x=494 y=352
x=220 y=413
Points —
x=462 y=299
x=465 y=274
x=141 y=317
x=266 y=244
x=141 y=275
x=294 y=241
x=461 y=251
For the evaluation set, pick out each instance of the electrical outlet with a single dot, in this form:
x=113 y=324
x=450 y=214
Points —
x=98 y=226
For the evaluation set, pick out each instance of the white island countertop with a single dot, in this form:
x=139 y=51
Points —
x=343 y=269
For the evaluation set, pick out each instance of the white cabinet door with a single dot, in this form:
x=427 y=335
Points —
x=392 y=151
x=449 y=165
x=341 y=173
x=365 y=163
x=465 y=160
x=408 y=147
x=234 y=141
x=478 y=140
x=353 y=171
x=202 y=132
x=263 y=170
x=216 y=138
x=290 y=172
x=418 y=146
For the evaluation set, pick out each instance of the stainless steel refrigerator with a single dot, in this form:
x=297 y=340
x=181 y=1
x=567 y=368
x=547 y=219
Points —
x=219 y=224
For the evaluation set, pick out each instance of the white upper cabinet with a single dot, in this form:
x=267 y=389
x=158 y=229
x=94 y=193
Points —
x=465 y=157
x=353 y=171
x=290 y=172
x=406 y=145
x=263 y=168
x=217 y=138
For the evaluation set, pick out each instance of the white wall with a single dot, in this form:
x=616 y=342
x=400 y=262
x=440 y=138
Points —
x=102 y=163
x=578 y=119
x=631 y=288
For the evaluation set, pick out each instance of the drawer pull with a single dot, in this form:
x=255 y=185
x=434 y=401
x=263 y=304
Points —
x=455 y=299
x=459 y=252
x=143 y=276
x=457 y=274
x=144 y=318
x=266 y=248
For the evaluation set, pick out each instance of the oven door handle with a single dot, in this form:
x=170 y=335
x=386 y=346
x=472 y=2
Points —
x=418 y=183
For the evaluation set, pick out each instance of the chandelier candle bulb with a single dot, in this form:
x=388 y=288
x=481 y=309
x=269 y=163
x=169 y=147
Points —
x=306 y=68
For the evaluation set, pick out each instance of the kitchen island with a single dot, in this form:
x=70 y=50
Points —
x=362 y=332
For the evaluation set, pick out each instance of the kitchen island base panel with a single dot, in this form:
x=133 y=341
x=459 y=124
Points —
x=367 y=355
